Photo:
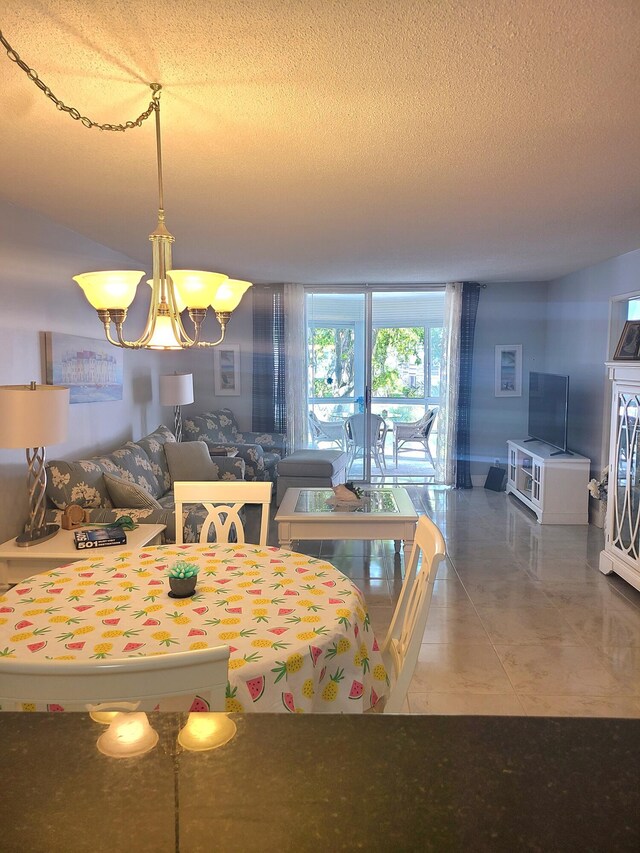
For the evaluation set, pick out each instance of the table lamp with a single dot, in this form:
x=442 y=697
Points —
x=34 y=416
x=176 y=389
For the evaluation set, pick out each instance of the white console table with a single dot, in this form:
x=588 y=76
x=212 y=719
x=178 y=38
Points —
x=18 y=563
x=553 y=485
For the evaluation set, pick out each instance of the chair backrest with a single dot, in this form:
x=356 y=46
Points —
x=314 y=425
x=223 y=500
x=76 y=685
x=427 y=421
x=402 y=644
x=355 y=428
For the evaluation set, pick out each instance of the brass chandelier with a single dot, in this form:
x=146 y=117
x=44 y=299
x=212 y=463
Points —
x=111 y=292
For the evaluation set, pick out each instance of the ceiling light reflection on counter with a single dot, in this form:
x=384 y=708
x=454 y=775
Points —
x=205 y=730
x=128 y=735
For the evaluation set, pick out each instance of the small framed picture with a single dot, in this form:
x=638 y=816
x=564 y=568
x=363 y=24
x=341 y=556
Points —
x=508 y=364
x=226 y=363
x=628 y=348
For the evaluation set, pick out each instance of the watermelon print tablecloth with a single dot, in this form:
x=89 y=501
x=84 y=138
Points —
x=298 y=629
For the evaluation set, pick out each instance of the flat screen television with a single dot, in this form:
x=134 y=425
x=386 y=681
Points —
x=548 y=408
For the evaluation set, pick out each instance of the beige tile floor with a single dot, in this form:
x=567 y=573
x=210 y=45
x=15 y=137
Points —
x=521 y=622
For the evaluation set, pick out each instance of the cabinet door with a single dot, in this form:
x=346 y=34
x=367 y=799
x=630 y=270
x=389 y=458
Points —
x=624 y=489
x=513 y=464
x=536 y=483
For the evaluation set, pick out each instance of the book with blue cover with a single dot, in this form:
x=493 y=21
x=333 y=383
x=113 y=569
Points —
x=100 y=537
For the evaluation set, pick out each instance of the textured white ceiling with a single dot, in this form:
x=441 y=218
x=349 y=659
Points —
x=335 y=140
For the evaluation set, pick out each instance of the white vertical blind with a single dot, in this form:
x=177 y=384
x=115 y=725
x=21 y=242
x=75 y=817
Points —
x=400 y=308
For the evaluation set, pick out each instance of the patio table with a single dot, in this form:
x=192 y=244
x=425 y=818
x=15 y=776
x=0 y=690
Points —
x=298 y=629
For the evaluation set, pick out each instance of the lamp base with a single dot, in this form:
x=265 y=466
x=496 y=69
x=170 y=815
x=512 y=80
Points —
x=35 y=537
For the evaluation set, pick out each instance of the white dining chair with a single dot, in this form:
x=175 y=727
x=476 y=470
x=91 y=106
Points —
x=402 y=643
x=417 y=432
x=142 y=681
x=223 y=500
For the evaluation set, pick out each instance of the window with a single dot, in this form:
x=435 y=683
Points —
x=633 y=309
x=331 y=361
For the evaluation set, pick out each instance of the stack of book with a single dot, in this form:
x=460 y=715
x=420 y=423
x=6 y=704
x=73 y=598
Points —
x=99 y=537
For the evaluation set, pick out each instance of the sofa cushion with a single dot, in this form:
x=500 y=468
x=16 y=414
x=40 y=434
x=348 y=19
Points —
x=79 y=483
x=224 y=420
x=153 y=446
x=131 y=464
x=190 y=461
x=82 y=482
x=130 y=495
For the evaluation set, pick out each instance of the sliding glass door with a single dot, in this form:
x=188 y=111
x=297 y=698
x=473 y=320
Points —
x=374 y=359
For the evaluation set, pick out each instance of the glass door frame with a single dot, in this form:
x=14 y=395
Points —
x=363 y=356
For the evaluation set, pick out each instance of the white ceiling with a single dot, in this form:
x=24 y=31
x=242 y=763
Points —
x=335 y=140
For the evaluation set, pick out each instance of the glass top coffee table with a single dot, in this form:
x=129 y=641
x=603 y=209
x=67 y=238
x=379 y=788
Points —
x=383 y=513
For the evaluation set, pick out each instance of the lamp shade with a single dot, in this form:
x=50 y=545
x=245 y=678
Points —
x=163 y=335
x=176 y=389
x=196 y=289
x=33 y=415
x=109 y=288
x=229 y=293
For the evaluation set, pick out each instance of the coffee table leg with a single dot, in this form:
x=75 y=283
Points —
x=284 y=536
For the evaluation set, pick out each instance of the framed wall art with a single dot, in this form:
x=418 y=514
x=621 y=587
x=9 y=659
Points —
x=91 y=369
x=226 y=367
x=508 y=365
x=628 y=348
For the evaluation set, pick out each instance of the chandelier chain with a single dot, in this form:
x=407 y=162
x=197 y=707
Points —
x=75 y=114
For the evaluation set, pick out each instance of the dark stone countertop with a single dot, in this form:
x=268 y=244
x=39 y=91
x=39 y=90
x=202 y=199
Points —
x=325 y=783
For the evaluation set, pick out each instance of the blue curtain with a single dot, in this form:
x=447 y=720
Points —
x=269 y=412
x=470 y=299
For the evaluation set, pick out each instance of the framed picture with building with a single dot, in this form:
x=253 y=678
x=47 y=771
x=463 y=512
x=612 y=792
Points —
x=92 y=369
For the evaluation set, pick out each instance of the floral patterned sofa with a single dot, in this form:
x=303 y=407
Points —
x=261 y=451
x=141 y=464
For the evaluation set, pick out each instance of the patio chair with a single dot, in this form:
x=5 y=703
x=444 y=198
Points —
x=355 y=432
x=331 y=431
x=417 y=433
x=223 y=501
x=402 y=643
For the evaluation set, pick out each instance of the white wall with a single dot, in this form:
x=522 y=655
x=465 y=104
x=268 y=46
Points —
x=509 y=313
x=36 y=255
x=577 y=344
x=563 y=326
x=201 y=364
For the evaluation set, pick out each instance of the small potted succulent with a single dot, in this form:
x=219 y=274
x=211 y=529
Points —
x=182 y=579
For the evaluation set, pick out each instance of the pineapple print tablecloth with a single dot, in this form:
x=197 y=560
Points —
x=298 y=629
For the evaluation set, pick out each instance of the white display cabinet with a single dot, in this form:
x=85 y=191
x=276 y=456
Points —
x=621 y=552
x=553 y=485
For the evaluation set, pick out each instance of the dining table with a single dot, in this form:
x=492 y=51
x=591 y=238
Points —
x=299 y=631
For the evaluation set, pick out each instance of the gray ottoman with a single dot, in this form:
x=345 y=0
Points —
x=310 y=469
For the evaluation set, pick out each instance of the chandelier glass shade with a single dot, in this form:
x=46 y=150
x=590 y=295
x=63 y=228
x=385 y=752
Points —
x=112 y=292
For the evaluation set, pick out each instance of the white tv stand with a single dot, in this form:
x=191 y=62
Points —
x=554 y=486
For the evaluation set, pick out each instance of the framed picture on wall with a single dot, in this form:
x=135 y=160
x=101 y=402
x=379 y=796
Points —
x=508 y=378
x=226 y=367
x=628 y=348
x=92 y=369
